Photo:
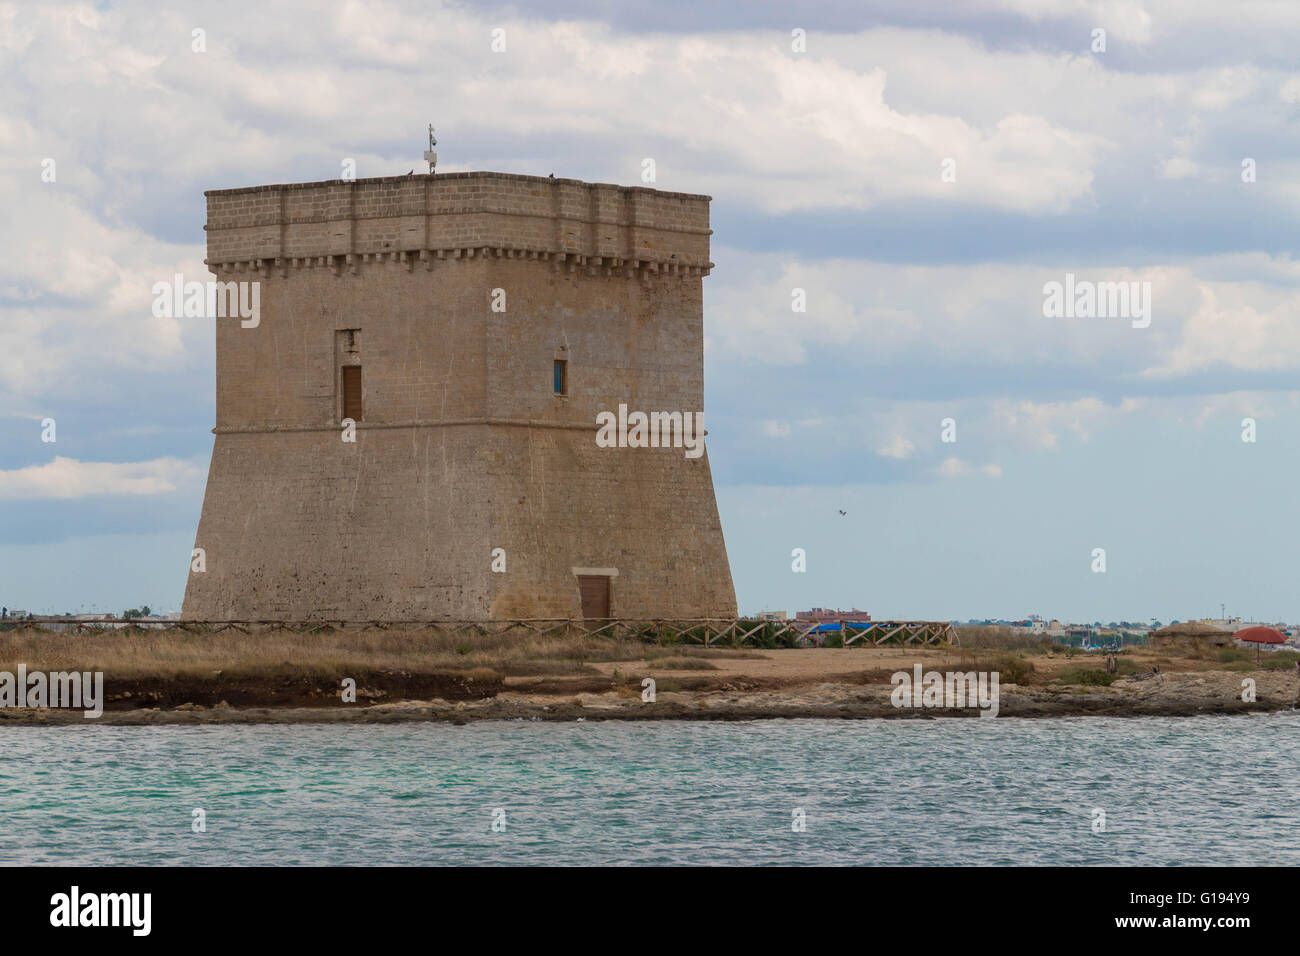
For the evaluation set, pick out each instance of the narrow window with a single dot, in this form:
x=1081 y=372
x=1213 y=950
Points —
x=561 y=377
x=352 y=392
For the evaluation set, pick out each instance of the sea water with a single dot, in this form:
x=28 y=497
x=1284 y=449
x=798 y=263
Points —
x=1074 y=791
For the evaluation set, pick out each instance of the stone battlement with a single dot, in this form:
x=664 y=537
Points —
x=421 y=217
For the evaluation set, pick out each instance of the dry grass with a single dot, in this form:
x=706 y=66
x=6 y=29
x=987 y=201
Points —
x=1002 y=638
x=1013 y=668
x=278 y=652
x=678 y=663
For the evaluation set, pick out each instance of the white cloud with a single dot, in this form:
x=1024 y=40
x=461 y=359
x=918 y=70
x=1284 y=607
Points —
x=1224 y=87
x=1234 y=311
x=1178 y=167
x=1124 y=19
x=83 y=296
x=70 y=478
x=960 y=468
x=775 y=429
x=735 y=113
x=896 y=447
x=953 y=468
x=1247 y=326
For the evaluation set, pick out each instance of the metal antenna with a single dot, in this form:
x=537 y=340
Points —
x=429 y=154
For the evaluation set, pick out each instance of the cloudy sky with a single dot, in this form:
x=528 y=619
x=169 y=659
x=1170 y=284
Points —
x=919 y=173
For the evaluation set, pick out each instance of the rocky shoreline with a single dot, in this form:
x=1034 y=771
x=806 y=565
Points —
x=458 y=701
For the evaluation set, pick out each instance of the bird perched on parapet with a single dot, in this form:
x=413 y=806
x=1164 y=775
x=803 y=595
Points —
x=552 y=175
x=411 y=173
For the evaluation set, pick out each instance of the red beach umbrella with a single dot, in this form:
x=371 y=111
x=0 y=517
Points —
x=1258 y=636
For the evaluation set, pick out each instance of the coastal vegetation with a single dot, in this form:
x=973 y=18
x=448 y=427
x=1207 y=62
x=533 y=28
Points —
x=277 y=652
x=524 y=672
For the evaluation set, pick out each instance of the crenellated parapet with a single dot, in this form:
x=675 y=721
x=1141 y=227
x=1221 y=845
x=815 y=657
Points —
x=588 y=228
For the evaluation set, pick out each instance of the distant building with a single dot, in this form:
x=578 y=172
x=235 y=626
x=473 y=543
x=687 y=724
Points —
x=770 y=616
x=822 y=615
x=1222 y=623
x=1193 y=635
x=1034 y=624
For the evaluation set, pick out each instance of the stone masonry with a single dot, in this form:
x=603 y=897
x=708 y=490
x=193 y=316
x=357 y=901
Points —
x=462 y=445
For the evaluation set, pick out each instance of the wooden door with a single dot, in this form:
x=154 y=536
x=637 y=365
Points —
x=594 y=589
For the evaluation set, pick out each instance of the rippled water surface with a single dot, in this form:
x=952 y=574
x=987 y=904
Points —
x=1219 y=790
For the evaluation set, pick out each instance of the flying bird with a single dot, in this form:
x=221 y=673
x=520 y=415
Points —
x=843 y=512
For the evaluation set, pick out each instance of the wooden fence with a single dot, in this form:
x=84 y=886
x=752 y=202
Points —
x=737 y=632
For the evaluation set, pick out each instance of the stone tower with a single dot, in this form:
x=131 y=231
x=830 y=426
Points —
x=473 y=325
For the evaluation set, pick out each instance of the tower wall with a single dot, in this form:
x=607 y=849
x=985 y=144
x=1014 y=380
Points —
x=462 y=447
